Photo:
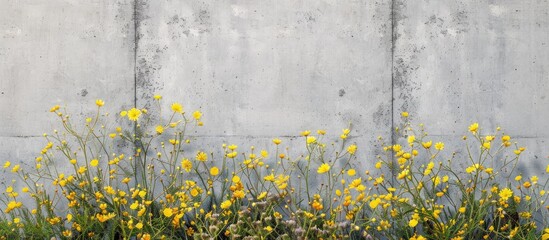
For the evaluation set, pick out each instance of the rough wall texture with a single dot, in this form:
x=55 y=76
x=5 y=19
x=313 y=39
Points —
x=483 y=61
x=263 y=69
x=59 y=52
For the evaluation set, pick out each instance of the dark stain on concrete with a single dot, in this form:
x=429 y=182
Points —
x=84 y=92
x=341 y=92
x=203 y=21
x=177 y=27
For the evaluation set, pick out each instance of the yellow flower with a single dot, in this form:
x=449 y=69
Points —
x=505 y=194
x=159 y=129
x=236 y=179
x=176 y=107
x=139 y=225
x=321 y=132
x=427 y=145
x=404 y=114
x=105 y=217
x=439 y=146
x=305 y=133
x=323 y=168
x=429 y=168
x=168 y=212
x=8 y=164
x=197 y=115
x=277 y=141
x=486 y=145
x=311 y=139
x=239 y=194
x=232 y=154
x=15 y=168
x=94 y=162
x=403 y=174
x=352 y=149
x=99 y=102
x=157 y=97
x=462 y=209
x=545 y=235
x=133 y=114
x=419 y=237
x=214 y=171
x=351 y=172
x=518 y=178
x=473 y=127
x=413 y=222
x=201 y=156
x=261 y=195
x=374 y=203
x=378 y=164
x=54 y=108
x=82 y=170
x=226 y=204
x=411 y=139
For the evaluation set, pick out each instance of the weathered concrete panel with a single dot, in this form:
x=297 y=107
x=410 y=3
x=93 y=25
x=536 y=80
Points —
x=260 y=69
x=475 y=61
x=60 y=52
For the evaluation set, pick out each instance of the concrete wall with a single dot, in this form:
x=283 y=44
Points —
x=264 y=69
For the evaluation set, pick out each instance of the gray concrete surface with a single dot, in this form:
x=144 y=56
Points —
x=484 y=61
x=259 y=70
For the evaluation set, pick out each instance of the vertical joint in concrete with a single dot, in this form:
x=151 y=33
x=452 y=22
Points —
x=135 y=46
x=393 y=32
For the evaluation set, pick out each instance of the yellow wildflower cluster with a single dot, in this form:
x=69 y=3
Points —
x=163 y=187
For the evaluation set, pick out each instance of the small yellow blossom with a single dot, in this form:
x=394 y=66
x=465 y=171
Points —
x=473 y=127
x=214 y=171
x=226 y=204
x=168 y=212
x=505 y=194
x=54 y=108
x=197 y=115
x=413 y=222
x=94 y=162
x=177 y=107
x=201 y=156
x=352 y=149
x=374 y=203
x=378 y=164
x=439 y=146
x=323 y=168
x=99 y=102
x=159 y=129
x=351 y=172
x=133 y=114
